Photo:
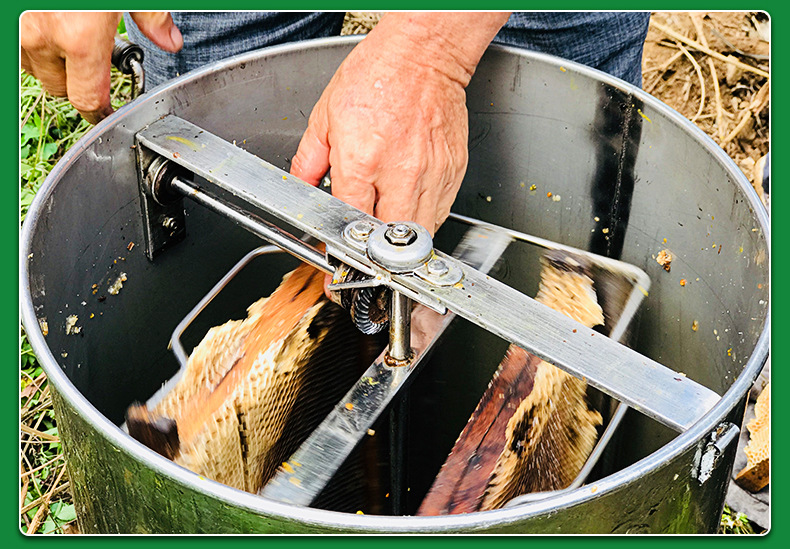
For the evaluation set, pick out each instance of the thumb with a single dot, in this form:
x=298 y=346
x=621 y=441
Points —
x=311 y=161
x=158 y=26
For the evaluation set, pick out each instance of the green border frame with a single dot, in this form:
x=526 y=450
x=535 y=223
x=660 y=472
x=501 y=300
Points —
x=9 y=247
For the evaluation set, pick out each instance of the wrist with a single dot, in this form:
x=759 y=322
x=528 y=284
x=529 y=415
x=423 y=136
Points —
x=451 y=43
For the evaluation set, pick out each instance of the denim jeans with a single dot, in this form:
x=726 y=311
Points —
x=609 y=41
x=211 y=36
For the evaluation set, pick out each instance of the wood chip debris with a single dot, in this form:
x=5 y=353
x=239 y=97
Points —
x=71 y=325
x=116 y=286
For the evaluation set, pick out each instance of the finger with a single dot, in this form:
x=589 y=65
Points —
x=24 y=61
x=158 y=26
x=445 y=198
x=353 y=190
x=426 y=214
x=311 y=161
x=393 y=206
x=446 y=193
x=50 y=71
x=443 y=208
x=399 y=194
x=451 y=178
x=88 y=83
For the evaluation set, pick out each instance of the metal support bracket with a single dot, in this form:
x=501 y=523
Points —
x=164 y=221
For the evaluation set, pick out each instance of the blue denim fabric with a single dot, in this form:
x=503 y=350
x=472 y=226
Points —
x=211 y=36
x=609 y=41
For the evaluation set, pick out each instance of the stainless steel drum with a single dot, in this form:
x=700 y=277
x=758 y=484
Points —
x=557 y=150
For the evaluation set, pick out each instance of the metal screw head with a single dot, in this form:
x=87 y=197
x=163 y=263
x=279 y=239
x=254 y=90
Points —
x=360 y=230
x=400 y=235
x=169 y=223
x=437 y=267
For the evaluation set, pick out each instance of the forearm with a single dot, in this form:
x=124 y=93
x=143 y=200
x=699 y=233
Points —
x=452 y=43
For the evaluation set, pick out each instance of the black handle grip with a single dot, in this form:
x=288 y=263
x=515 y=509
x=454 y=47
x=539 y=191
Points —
x=123 y=53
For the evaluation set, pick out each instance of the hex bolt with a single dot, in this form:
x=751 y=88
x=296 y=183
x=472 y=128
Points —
x=400 y=235
x=400 y=231
x=360 y=230
x=169 y=223
x=437 y=267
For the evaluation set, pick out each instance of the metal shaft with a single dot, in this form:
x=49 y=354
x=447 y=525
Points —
x=255 y=225
x=398 y=441
x=401 y=353
x=138 y=79
x=400 y=327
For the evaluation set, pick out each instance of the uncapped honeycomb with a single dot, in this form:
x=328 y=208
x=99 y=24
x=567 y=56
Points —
x=553 y=430
x=755 y=476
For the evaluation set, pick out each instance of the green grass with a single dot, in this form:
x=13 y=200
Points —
x=735 y=523
x=48 y=127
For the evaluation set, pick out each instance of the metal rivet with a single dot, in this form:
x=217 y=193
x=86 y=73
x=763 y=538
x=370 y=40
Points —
x=437 y=267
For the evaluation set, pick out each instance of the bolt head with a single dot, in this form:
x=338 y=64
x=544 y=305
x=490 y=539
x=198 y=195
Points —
x=437 y=267
x=400 y=235
x=360 y=230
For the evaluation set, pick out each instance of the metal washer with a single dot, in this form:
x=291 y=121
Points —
x=400 y=258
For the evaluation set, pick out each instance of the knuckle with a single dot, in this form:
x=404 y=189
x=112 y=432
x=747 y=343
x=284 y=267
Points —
x=412 y=173
x=91 y=102
x=79 y=47
x=31 y=35
x=33 y=42
x=297 y=163
x=58 y=90
x=366 y=162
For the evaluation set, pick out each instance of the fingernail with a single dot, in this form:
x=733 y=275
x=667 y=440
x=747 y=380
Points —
x=177 y=39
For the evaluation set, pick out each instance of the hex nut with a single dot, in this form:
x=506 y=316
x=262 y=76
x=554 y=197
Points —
x=400 y=234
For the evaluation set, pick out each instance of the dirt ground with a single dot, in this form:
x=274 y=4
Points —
x=722 y=94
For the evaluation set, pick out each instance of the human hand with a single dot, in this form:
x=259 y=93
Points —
x=70 y=52
x=392 y=123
